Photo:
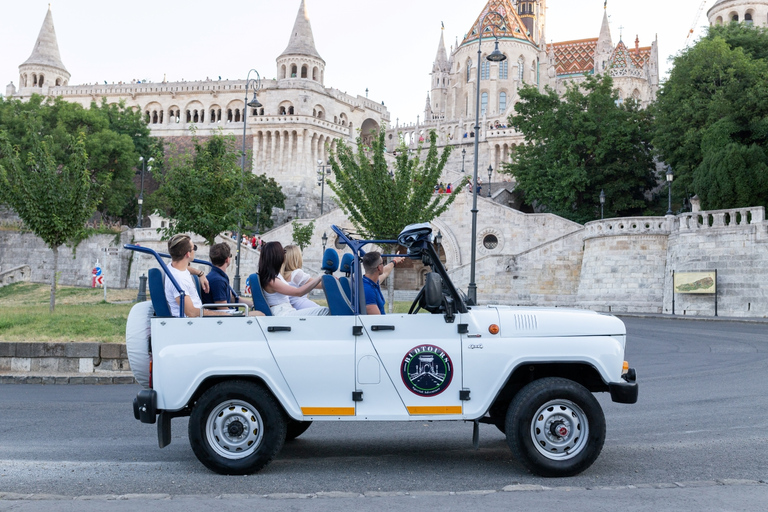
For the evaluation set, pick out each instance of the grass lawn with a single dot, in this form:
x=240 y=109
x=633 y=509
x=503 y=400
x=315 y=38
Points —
x=81 y=313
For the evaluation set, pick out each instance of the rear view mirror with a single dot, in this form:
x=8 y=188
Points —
x=433 y=292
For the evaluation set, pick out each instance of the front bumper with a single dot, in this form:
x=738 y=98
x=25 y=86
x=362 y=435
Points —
x=625 y=392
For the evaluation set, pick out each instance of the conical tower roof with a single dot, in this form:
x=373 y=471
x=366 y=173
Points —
x=605 y=28
x=441 y=59
x=621 y=57
x=511 y=26
x=302 y=41
x=46 y=51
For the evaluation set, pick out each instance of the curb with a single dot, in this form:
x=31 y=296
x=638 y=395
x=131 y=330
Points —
x=49 y=379
x=737 y=319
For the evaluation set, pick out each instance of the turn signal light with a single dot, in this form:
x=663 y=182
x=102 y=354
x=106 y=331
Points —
x=625 y=368
x=493 y=329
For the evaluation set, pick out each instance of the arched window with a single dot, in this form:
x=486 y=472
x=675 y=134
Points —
x=34 y=80
x=485 y=70
x=229 y=115
x=189 y=116
x=502 y=102
x=195 y=117
x=154 y=117
x=58 y=82
x=290 y=110
x=41 y=80
x=146 y=116
x=314 y=73
x=521 y=69
x=237 y=115
x=469 y=69
x=281 y=111
x=282 y=71
x=161 y=117
x=748 y=18
x=304 y=71
x=735 y=17
x=503 y=70
x=261 y=111
x=483 y=103
x=293 y=71
x=213 y=115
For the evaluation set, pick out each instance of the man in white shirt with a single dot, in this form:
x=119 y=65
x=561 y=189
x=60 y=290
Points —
x=182 y=252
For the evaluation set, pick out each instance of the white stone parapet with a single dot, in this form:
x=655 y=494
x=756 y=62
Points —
x=737 y=217
x=628 y=226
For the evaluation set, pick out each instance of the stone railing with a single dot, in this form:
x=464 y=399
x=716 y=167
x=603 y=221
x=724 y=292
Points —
x=737 y=217
x=15 y=275
x=624 y=226
x=630 y=72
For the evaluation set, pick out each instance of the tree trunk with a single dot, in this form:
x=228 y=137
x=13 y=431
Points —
x=391 y=291
x=53 y=278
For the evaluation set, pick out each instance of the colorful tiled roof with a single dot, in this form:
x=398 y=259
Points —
x=511 y=26
x=575 y=57
x=623 y=57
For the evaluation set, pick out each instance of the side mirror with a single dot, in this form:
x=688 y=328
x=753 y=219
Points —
x=433 y=292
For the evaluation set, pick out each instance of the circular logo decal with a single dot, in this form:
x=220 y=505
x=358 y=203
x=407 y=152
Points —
x=426 y=370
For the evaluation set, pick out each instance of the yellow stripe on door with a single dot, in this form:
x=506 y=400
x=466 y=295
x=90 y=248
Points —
x=328 y=411
x=434 y=409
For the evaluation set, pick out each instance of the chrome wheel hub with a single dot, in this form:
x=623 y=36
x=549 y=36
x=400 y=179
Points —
x=234 y=429
x=559 y=429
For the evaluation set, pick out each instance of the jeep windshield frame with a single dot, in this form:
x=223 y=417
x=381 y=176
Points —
x=421 y=250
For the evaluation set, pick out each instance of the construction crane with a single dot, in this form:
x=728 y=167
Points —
x=695 y=21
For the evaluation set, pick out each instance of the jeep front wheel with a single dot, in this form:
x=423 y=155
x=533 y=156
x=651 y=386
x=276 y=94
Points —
x=555 y=427
x=236 y=428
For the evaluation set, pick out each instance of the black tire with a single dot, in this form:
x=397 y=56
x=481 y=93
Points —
x=236 y=428
x=555 y=427
x=296 y=428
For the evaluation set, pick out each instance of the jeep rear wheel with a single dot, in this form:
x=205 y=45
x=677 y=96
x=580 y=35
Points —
x=236 y=428
x=555 y=427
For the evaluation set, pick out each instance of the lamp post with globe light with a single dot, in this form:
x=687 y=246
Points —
x=495 y=56
x=144 y=168
x=602 y=203
x=670 y=177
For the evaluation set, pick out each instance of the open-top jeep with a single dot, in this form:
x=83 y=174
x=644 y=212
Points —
x=249 y=384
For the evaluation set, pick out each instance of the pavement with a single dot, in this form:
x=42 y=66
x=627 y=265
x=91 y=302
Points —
x=96 y=363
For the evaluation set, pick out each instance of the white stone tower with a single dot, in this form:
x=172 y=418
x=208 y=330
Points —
x=604 y=47
x=300 y=60
x=44 y=69
x=441 y=81
x=747 y=11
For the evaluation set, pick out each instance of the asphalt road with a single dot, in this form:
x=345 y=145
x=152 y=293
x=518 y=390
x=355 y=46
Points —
x=697 y=437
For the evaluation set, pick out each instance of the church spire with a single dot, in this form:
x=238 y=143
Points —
x=441 y=59
x=302 y=42
x=46 y=51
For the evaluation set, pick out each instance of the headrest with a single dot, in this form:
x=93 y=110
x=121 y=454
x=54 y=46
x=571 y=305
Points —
x=346 y=263
x=330 y=260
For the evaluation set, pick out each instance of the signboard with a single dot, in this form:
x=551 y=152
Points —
x=695 y=282
x=111 y=251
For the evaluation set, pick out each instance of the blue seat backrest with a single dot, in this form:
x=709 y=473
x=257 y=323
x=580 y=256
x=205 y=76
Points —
x=337 y=301
x=259 y=301
x=346 y=267
x=157 y=292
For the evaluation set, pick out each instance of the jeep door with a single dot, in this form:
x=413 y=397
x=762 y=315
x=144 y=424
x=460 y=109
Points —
x=316 y=355
x=421 y=358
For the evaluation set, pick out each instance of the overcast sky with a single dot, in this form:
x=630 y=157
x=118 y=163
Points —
x=387 y=46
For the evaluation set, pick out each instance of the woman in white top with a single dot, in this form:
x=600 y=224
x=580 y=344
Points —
x=294 y=275
x=277 y=291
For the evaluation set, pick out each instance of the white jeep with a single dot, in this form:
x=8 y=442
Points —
x=249 y=384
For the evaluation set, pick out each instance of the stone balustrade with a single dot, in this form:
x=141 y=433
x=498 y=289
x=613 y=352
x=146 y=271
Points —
x=15 y=275
x=628 y=226
x=721 y=219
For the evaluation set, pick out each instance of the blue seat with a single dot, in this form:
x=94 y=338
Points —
x=259 y=301
x=346 y=267
x=337 y=301
x=157 y=292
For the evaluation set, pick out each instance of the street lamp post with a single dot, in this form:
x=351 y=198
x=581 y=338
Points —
x=141 y=192
x=297 y=211
x=490 y=173
x=670 y=177
x=258 y=218
x=438 y=242
x=322 y=170
x=463 y=154
x=255 y=84
x=495 y=56
x=325 y=241
x=602 y=203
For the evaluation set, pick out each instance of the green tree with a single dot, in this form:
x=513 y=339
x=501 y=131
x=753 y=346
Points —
x=302 y=234
x=380 y=202
x=54 y=199
x=115 y=137
x=712 y=118
x=580 y=144
x=207 y=193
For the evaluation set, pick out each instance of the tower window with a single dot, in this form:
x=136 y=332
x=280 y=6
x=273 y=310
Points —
x=503 y=70
x=483 y=103
x=469 y=70
x=485 y=70
x=502 y=102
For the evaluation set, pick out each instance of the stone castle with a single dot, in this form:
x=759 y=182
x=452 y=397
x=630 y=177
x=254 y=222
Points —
x=610 y=265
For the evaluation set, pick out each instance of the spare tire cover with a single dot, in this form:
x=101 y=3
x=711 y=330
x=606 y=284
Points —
x=137 y=332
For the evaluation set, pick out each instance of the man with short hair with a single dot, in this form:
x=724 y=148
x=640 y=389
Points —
x=182 y=252
x=375 y=273
x=220 y=291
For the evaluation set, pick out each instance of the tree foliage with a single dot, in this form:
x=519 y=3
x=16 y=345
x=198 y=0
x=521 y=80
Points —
x=115 y=137
x=580 y=144
x=381 y=204
x=207 y=192
x=54 y=197
x=302 y=234
x=713 y=118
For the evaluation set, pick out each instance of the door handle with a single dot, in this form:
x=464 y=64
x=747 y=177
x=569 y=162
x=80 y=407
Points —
x=278 y=328
x=382 y=327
